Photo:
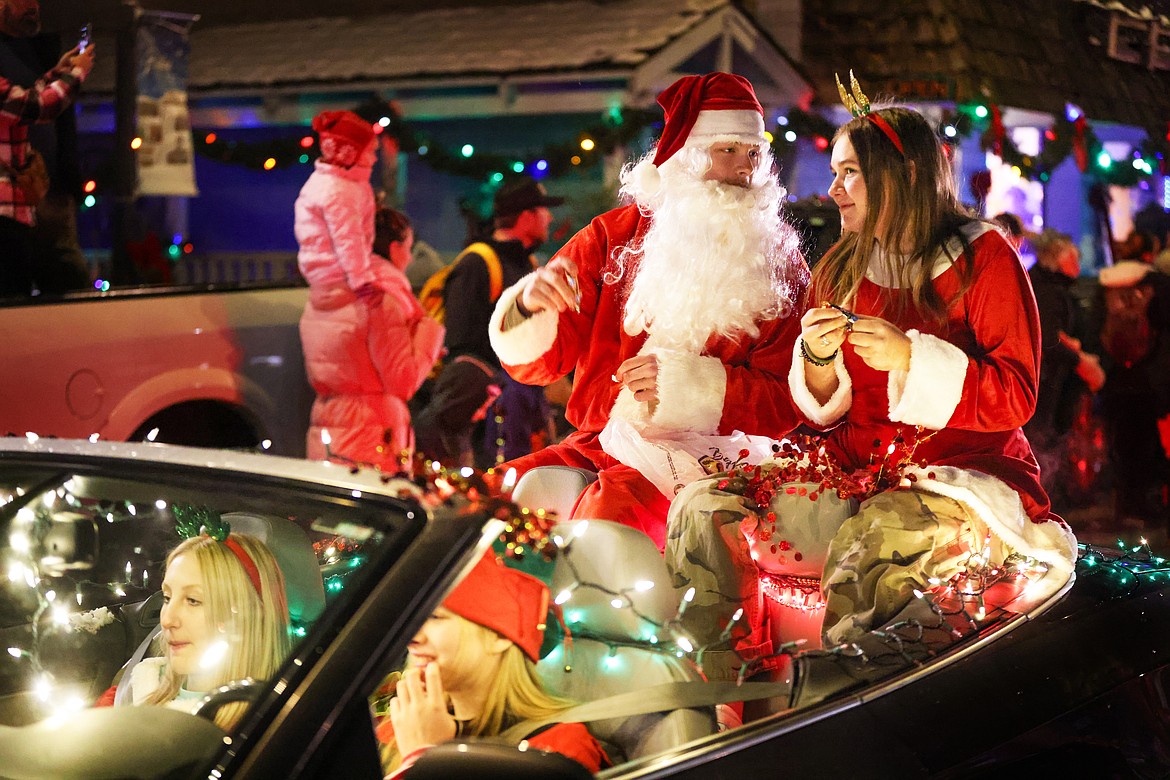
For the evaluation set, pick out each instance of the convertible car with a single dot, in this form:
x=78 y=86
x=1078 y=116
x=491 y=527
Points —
x=1074 y=683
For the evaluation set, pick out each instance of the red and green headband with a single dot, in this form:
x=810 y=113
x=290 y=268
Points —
x=192 y=521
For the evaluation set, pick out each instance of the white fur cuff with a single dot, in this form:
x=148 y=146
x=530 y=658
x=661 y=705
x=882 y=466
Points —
x=691 y=390
x=930 y=391
x=526 y=341
x=1000 y=508
x=838 y=404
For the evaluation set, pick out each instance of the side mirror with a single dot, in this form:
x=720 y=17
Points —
x=70 y=543
x=493 y=761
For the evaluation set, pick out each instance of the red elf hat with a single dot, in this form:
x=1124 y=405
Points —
x=509 y=602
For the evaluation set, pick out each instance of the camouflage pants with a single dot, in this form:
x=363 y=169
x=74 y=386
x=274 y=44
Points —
x=896 y=543
x=706 y=550
x=710 y=532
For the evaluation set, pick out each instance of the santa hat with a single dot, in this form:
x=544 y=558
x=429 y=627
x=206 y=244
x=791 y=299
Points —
x=700 y=111
x=509 y=602
x=345 y=127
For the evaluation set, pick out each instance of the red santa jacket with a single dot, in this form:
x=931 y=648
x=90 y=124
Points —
x=738 y=384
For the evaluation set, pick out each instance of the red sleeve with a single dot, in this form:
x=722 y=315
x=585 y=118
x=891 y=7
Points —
x=107 y=698
x=587 y=250
x=42 y=102
x=758 y=399
x=574 y=741
x=999 y=391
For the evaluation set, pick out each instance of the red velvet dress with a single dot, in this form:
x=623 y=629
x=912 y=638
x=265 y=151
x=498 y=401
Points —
x=996 y=324
x=971 y=385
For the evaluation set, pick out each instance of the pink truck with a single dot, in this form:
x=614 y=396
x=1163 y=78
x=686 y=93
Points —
x=205 y=366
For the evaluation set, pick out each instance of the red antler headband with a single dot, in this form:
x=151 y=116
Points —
x=858 y=105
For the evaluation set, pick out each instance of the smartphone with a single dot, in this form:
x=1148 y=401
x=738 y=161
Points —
x=83 y=40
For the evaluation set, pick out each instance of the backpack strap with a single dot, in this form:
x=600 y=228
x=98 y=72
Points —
x=492 y=261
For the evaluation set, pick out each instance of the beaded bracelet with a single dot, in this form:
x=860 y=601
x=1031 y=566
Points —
x=811 y=358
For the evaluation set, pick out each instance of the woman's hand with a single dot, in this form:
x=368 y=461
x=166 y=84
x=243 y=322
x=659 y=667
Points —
x=419 y=711
x=552 y=287
x=640 y=374
x=823 y=330
x=881 y=344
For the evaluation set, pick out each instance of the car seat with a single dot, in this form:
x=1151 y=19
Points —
x=552 y=488
x=619 y=606
x=303 y=585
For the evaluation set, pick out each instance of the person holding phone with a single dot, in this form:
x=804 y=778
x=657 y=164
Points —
x=944 y=355
x=922 y=332
x=23 y=177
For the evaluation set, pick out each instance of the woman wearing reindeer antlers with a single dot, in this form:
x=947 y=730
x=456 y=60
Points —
x=919 y=358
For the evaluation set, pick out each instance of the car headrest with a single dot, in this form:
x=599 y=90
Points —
x=611 y=580
x=553 y=488
x=297 y=559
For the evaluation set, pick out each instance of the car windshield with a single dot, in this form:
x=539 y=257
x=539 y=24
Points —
x=83 y=554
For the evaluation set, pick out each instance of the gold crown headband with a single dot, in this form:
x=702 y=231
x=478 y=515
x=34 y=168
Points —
x=858 y=105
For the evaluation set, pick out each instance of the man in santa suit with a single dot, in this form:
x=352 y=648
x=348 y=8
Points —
x=678 y=311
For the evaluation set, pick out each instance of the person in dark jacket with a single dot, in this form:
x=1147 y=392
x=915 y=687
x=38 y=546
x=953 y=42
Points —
x=471 y=381
x=1067 y=372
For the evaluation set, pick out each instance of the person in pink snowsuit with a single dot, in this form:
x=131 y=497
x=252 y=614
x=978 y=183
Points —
x=367 y=342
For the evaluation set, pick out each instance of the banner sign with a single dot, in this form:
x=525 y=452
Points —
x=166 y=158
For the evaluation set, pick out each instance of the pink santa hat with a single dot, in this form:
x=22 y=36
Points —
x=701 y=110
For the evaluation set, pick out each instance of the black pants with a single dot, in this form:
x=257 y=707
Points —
x=15 y=257
x=444 y=429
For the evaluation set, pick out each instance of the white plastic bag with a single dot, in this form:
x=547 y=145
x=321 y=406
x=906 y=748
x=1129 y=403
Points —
x=673 y=462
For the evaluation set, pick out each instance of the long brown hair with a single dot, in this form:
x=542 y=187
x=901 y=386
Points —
x=915 y=199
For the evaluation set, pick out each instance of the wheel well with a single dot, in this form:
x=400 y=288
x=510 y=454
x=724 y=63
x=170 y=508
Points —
x=201 y=424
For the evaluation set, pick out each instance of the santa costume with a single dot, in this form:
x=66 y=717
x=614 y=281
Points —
x=701 y=274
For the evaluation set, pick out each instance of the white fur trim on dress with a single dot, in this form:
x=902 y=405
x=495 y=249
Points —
x=526 y=341
x=691 y=391
x=930 y=391
x=997 y=505
x=145 y=677
x=833 y=409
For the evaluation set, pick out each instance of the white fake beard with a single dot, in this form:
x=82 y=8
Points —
x=716 y=260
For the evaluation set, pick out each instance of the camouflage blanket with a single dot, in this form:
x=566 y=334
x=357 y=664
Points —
x=898 y=542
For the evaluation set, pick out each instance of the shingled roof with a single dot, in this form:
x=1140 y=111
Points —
x=1030 y=54
x=565 y=37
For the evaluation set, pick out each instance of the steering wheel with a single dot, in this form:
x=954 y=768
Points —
x=245 y=690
